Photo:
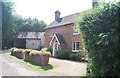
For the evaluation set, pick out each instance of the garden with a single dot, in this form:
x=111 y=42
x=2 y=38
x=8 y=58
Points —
x=34 y=56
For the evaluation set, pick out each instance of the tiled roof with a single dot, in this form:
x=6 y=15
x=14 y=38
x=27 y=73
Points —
x=64 y=20
x=30 y=35
x=60 y=38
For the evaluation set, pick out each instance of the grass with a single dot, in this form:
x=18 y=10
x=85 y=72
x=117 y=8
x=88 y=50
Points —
x=31 y=65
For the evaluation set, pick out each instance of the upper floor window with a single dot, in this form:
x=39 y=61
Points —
x=75 y=31
x=75 y=46
x=51 y=34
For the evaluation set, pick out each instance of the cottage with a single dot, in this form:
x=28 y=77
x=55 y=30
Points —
x=33 y=40
x=61 y=34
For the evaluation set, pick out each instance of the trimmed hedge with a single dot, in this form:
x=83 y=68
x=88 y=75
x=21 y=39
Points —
x=76 y=56
x=100 y=31
x=62 y=53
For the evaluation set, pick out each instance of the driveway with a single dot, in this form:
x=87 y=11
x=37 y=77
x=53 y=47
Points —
x=13 y=67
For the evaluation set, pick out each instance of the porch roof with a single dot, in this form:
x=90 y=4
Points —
x=59 y=38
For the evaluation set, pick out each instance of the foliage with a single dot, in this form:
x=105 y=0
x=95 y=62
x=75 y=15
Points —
x=29 y=24
x=34 y=52
x=62 y=53
x=99 y=28
x=47 y=49
x=31 y=52
x=45 y=53
x=12 y=24
x=8 y=24
x=76 y=56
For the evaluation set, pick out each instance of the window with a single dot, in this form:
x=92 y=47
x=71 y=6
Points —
x=51 y=34
x=75 y=31
x=75 y=46
x=56 y=45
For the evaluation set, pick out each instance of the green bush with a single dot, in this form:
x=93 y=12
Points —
x=47 y=49
x=76 y=56
x=45 y=53
x=62 y=53
x=100 y=31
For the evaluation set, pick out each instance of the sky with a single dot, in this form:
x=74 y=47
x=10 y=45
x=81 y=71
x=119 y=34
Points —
x=44 y=9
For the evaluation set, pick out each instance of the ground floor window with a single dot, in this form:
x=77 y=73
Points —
x=75 y=46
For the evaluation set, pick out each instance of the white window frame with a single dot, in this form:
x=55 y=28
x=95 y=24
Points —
x=75 y=32
x=51 y=34
x=75 y=46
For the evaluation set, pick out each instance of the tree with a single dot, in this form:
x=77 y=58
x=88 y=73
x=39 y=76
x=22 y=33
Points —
x=8 y=24
x=30 y=25
x=12 y=24
x=100 y=30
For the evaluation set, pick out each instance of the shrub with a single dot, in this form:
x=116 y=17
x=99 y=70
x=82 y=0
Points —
x=100 y=32
x=34 y=52
x=45 y=53
x=62 y=53
x=47 y=49
x=76 y=56
x=42 y=52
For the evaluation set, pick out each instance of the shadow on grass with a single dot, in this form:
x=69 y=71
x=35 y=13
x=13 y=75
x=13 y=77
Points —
x=48 y=67
x=45 y=68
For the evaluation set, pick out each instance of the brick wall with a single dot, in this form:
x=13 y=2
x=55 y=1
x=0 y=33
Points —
x=66 y=31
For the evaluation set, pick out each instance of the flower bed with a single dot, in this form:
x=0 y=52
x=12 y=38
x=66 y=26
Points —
x=33 y=56
x=18 y=53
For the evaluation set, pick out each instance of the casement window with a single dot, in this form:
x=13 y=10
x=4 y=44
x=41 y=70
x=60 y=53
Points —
x=51 y=34
x=75 y=46
x=75 y=31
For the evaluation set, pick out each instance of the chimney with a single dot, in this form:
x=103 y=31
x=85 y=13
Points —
x=95 y=3
x=57 y=16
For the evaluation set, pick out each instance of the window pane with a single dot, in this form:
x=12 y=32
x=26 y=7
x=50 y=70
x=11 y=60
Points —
x=73 y=45
x=56 y=45
x=77 y=45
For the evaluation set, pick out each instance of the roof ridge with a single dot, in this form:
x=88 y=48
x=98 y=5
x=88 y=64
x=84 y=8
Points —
x=71 y=14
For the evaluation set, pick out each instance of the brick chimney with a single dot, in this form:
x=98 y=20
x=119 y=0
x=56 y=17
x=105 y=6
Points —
x=95 y=3
x=57 y=16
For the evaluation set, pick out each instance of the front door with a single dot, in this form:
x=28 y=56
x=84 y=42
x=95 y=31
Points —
x=55 y=47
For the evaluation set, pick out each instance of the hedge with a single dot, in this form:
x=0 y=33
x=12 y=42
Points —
x=76 y=56
x=62 y=53
x=100 y=31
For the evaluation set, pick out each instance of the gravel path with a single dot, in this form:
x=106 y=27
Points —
x=13 y=67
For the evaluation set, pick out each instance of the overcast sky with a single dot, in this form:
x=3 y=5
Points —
x=44 y=9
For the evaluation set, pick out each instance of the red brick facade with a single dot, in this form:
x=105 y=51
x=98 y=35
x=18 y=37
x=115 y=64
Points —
x=67 y=32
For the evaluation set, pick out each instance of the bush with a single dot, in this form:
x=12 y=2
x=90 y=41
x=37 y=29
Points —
x=76 y=56
x=34 y=52
x=62 y=53
x=47 y=49
x=100 y=32
x=45 y=53
x=42 y=52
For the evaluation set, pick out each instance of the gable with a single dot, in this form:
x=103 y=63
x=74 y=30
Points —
x=60 y=39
